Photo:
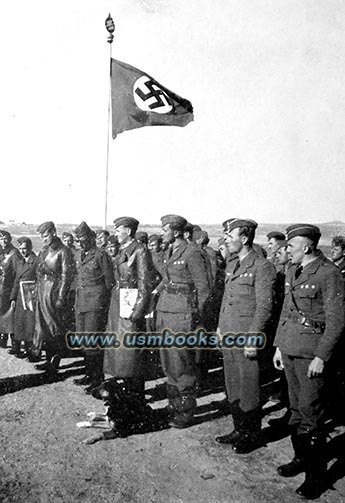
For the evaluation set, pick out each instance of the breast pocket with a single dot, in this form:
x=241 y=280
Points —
x=245 y=286
x=306 y=298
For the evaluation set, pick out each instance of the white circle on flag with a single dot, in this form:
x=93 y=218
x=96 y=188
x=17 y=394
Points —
x=149 y=97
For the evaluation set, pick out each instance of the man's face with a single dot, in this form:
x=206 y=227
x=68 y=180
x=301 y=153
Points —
x=337 y=253
x=233 y=240
x=282 y=255
x=273 y=245
x=68 y=241
x=48 y=237
x=187 y=235
x=102 y=239
x=154 y=246
x=25 y=250
x=167 y=234
x=123 y=234
x=296 y=249
x=5 y=241
x=113 y=249
x=85 y=243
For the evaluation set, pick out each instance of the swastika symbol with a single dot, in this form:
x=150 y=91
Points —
x=149 y=97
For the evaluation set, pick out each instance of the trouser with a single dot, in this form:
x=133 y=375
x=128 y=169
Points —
x=306 y=395
x=178 y=364
x=92 y=321
x=241 y=379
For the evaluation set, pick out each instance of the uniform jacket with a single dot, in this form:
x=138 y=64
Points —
x=248 y=300
x=57 y=263
x=9 y=261
x=94 y=280
x=132 y=270
x=341 y=267
x=319 y=296
x=184 y=287
x=26 y=271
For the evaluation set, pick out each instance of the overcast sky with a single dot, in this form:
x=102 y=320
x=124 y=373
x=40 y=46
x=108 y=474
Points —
x=266 y=79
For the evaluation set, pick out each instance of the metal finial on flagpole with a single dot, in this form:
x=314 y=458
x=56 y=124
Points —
x=110 y=26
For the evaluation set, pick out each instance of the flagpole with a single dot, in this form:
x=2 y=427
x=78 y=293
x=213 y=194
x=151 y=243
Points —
x=110 y=26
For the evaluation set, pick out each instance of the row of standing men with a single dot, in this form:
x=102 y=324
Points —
x=184 y=289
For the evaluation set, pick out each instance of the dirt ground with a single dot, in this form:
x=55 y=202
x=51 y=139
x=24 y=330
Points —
x=43 y=460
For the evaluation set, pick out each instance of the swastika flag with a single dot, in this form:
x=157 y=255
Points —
x=138 y=100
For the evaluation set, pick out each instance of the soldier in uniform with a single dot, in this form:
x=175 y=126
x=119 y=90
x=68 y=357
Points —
x=94 y=281
x=157 y=254
x=247 y=307
x=132 y=276
x=102 y=237
x=69 y=314
x=183 y=292
x=311 y=322
x=142 y=238
x=274 y=240
x=55 y=272
x=201 y=238
x=338 y=253
x=68 y=240
x=113 y=247
x=24 y=317
x=10 y=257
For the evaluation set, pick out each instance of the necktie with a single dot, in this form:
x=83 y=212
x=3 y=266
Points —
x=298 y=271
x=237 y=266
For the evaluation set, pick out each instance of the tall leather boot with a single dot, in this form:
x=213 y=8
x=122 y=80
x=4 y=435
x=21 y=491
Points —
x=316 y=467
x=95 y=372
x=86 y=379
x=250 y=432
x=236 y=418
x=3 y=340
x=185 y=406
x=298 y=462
x=15 y=350
x=173 y=397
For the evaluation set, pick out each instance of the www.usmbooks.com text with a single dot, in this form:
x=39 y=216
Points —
x=166 y=339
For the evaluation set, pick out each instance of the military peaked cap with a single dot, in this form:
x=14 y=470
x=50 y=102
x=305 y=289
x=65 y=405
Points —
x=102 y=231
x=130 y=222
x=199 y=235
x=46 y=227
x=307 y=230
x=276 y=234
x=233 y=223
x=83 y=230
x=176 y=222
x=141 y=236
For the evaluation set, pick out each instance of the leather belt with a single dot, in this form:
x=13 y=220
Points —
x=307 y=322
x=180 y=288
